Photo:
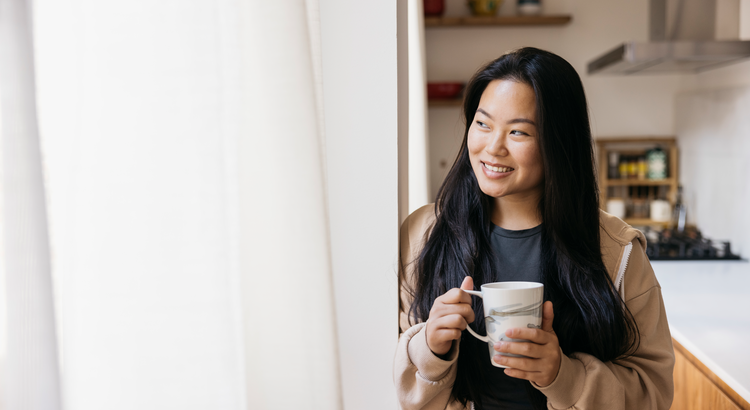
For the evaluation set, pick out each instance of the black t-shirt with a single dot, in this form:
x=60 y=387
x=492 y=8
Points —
x=517 y=258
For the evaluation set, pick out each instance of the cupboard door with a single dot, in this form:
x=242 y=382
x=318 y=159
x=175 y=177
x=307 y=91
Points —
x=697 y=388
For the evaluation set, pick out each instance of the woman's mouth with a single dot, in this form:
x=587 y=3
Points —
x=499 y=169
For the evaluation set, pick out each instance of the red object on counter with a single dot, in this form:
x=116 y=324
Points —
x=434 y=7
x=444 y=90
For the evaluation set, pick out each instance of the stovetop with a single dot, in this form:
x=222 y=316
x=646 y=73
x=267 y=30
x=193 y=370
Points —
x=670 y=244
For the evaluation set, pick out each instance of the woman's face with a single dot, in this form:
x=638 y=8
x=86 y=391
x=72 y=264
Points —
x=503 y=144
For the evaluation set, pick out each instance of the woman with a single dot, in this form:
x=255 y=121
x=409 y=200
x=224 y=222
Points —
x=521 y=203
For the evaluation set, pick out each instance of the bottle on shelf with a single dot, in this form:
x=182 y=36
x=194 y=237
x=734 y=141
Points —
x=632 y=167
x=679 y=214
x=642 y=167
x=614 y=165
x=623 y=166
x=639 y=202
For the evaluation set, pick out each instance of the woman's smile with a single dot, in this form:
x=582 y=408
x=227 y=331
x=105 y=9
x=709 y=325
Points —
x=496 y=171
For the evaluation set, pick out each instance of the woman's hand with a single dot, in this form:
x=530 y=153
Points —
x=449 y=316
x=543 y=351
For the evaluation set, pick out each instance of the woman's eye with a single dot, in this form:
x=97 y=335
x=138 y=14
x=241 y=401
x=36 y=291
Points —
x=517 y=132
x=481 y=124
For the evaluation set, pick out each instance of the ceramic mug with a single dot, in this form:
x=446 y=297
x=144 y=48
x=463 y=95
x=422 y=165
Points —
x=509 y=305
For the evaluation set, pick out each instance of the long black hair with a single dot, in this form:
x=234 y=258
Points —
x=590 y=316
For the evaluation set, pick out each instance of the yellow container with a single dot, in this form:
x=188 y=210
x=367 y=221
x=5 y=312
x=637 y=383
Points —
x=484 y=7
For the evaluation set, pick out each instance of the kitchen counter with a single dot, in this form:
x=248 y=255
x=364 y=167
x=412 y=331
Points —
x=708 y=308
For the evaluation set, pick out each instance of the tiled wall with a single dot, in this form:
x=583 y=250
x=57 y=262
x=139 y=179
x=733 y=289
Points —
x=713 y=129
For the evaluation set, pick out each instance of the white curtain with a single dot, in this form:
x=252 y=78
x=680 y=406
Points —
x=28 y=349
x=286 y=246
x=183 y=155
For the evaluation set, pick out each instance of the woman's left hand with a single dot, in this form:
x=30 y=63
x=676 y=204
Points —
x=543 y=354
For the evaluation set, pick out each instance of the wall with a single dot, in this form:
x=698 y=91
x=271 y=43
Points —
x=619 y=106
x=713 y=131
x=359 y=49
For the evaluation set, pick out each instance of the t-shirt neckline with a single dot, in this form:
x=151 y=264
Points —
x=523 y=233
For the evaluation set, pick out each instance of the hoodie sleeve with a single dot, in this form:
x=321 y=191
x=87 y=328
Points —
x=641 y=381
x=423 y=380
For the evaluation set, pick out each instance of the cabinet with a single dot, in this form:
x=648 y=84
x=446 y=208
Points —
x=696 y=387
x=634 y=191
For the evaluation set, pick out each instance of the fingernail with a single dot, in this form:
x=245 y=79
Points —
x=509 y=332
x=499 y=345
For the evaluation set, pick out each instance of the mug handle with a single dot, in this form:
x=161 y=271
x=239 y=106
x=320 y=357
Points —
x=473 y=333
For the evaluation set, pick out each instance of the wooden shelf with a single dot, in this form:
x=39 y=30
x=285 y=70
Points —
x=477 y=21
x=636 y=140
x=445 y=102
x=640 y=182
x=644 y=222
x=638 y=145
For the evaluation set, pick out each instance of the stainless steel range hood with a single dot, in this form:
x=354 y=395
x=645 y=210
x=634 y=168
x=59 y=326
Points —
x=686 y=36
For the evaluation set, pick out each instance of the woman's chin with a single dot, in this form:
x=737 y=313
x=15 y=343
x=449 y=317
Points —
x=494 y=193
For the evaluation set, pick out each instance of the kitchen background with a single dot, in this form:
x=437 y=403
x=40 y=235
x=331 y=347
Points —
x=707 y=112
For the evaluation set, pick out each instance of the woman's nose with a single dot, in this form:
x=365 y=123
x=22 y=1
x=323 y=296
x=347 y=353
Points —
x=496 y=146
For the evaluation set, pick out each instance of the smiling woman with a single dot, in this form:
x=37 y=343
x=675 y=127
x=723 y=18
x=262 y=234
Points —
x=521 y=204
x=504 y=150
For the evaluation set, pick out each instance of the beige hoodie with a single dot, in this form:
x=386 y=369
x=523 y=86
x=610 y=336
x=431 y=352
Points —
x=642 y=381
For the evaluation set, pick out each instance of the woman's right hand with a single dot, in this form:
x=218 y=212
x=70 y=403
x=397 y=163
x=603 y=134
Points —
x=449 y=316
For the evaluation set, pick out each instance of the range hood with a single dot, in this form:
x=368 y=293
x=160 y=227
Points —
x=686 y=36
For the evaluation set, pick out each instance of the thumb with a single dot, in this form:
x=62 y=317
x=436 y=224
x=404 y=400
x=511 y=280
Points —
x=548 y=314
x=467 y=284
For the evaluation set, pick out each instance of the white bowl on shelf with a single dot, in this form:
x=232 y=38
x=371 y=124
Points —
x=529 y=9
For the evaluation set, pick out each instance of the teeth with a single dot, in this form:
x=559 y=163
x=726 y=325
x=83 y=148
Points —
x=497 y=169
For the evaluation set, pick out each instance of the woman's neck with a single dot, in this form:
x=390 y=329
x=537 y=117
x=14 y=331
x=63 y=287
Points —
x=516 y=213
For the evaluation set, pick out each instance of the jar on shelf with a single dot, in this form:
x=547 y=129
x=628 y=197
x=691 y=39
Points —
x=661 y=210
x=484 y=7
x=657 y=163
x=434 y=8
x=616 y=207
